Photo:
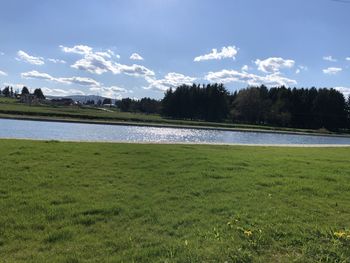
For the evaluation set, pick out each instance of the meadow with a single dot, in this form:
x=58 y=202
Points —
x=104 y=202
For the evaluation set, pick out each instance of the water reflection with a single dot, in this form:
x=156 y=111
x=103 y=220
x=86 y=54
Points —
x=93 y=132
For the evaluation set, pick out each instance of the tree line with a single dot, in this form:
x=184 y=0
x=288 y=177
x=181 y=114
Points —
x=10 y=93
x=307 y=108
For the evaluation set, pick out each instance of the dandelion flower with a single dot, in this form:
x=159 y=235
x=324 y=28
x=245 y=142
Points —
x=248 y=233
x=339 y=234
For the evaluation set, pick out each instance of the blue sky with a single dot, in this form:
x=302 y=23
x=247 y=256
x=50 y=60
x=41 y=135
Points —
x=141 y=48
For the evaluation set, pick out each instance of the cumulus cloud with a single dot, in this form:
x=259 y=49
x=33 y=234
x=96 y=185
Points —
x=23 y=56
x=348 y=58
x=332 y=71
x=227 y=76
x=344 y=90
x=329 y=58
x=56 y=61
x=78 y=49
x=135 y=56
x=101 y=62
x=274 y=64
x=80 y=81
x=36 y=75
x=71 y=80
x=109 y=92
x=171 y=80
x=226 y=52
x=2 y=73
x=61 y=92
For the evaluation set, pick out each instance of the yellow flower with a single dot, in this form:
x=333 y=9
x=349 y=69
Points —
x=248 y=233
x=339 y=234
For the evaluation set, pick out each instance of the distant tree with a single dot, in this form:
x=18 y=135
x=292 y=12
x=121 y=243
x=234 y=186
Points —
x=90 y=102
x=107 y=101
x=329 y=109
x=348 y=110
x=39 y=94
x=125 y=104
x=148 y=105
x=6 y=91
x=207 y=102
x=249 y=106
x=25 y=91
x=11 y=92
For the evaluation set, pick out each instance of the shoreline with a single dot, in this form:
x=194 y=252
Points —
x=187 y=143
x=165 y=125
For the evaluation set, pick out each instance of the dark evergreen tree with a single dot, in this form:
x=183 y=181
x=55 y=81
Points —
x=6 y=91
x=107 y=101
x=25 y=91
x=39 y=94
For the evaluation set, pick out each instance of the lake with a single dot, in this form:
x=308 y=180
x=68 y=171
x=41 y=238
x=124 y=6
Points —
x=43 y=130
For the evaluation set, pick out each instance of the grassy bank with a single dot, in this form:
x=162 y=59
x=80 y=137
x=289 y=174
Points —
x=95 y=202
x=11 y=108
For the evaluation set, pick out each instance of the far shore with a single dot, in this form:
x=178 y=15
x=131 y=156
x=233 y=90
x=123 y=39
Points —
x=166 y=125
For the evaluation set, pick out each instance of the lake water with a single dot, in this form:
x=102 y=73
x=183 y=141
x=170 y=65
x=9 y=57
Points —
x=119 y=133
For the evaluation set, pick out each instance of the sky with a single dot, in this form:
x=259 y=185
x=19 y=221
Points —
x=141 y=48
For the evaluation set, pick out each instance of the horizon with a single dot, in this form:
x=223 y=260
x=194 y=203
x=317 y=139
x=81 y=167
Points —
x=172 y=43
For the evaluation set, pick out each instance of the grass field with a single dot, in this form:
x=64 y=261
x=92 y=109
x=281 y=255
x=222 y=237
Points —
x=96 y=202
x=11 y=108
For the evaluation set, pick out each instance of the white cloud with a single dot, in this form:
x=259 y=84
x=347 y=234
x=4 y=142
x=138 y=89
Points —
x=36 y=75
x=274 y=64
x=61 y=92
x=79 y=80
x=344 y=90
x=2 y=53
x=2 y=73
x=171 y=80
x=227 y=76
x=300 y=68
x=85 y=50
x=96 y=64
x=226 y=52
x=348 y=58
x=100 y=62
x=329 y=58
x=109 y=92
x=332 y=71
x=56 y=61
x=78 y=49
x=135 y=56
x=135 y=70
x=23 y=56
x=71 y=80
x=245 y=68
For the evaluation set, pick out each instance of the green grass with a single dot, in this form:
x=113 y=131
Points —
x=100 y=202
x=13 y=108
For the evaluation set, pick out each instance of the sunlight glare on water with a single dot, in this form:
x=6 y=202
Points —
x=120 y=133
